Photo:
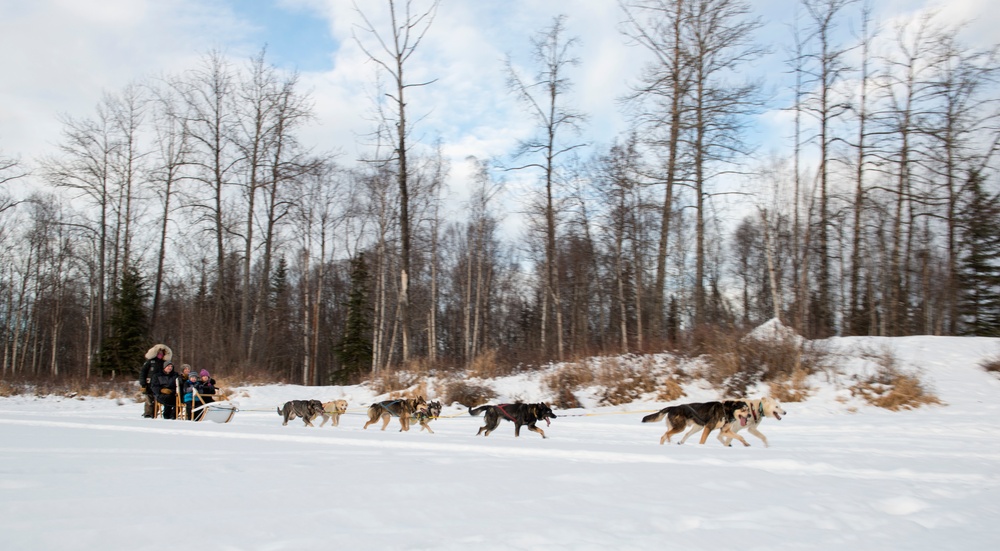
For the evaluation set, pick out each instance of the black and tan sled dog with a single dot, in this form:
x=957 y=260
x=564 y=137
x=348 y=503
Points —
x=429 y=413
x=710 y=415
x=404 y=408
x=520 y=414
x=306 y=409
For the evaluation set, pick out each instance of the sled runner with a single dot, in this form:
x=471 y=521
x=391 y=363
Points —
x=219 y=412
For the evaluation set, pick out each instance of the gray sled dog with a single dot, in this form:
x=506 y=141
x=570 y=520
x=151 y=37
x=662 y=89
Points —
x=306 y=409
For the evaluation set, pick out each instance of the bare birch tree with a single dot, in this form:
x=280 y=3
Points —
x=84 y=168
x=170 y=155
x=825 y=69
x=543 y=95
x=209 y=118
x=481 y=227
x=657 y=25
x=721 y=44
x=854 y=316
x=395 y=49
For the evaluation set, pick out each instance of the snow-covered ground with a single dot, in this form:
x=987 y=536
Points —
x=91 y=474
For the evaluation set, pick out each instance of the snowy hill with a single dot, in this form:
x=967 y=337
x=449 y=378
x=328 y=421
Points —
x=89 y=474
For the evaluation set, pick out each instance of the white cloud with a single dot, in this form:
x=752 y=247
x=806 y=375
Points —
x=61 y=55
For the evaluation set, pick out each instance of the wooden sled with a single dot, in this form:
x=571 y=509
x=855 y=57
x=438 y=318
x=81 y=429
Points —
x=219 y=412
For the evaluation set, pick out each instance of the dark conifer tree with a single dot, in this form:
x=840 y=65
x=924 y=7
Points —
x=128 y=328
x=279 y=284
x=354 y=351
x=673 y=321
x=979 y=277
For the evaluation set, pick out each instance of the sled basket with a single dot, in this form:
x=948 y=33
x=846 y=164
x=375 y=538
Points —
x=219 y=412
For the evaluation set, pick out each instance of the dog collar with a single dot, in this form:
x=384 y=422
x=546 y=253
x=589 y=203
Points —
x=760 y=409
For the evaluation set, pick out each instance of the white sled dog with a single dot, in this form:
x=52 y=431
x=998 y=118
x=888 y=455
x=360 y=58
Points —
x=332 y=410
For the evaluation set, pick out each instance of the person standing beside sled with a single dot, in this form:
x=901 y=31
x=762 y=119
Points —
x=164 y=387
x=155 y=358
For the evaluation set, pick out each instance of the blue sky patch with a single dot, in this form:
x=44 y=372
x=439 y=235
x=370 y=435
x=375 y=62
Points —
x=296 y=37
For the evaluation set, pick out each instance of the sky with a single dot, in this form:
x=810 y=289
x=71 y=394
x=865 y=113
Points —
x=60 y=56
x=90 y=473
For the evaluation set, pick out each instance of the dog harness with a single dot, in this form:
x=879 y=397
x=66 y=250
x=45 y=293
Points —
x=502 y=410
x=387 y=410
x=548 y=423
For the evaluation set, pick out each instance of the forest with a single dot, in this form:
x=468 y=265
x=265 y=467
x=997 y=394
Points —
x=187 y=209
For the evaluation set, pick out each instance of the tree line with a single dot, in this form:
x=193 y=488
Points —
x=185 y=209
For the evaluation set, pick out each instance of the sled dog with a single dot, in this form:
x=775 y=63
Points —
x=431 y=412
x=705 y=415
x=519 y=413
x=404 y=408
x=306 y=409
x=759 y=409
x=332 y=411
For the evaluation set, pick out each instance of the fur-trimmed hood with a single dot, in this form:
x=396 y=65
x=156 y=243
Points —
x=167 y=353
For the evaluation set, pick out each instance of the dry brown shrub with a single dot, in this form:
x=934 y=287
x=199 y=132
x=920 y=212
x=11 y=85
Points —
x=115 y=389
x=792 y=388
x=419 y=366
x=718 y=357
x=991 y=364
x=670 y=390
x=7 y=390
x=736 y=362
x=775 y=359
x=890 y=388
x=248 y=377
x=417 y=391
x=719 y=367
x=572 y=376
x=624 y=383
x=902 y=392
x=73 y=387
x=466 y=393
x=565 y=380
x=669 y=379
x=565 y=399
x=392 y=380
x=487 y=366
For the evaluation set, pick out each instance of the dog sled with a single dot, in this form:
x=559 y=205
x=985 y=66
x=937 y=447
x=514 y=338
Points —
x=218 y=412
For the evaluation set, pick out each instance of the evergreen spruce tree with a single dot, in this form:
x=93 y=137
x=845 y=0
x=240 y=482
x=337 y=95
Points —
x=354 y=351
x=128 y=327
x=673 y=320
x=979 y=277
x=279 y=284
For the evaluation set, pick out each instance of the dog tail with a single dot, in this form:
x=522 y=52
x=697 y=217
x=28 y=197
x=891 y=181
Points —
x=654 y=417
x=478 y=410
x=279 y=410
